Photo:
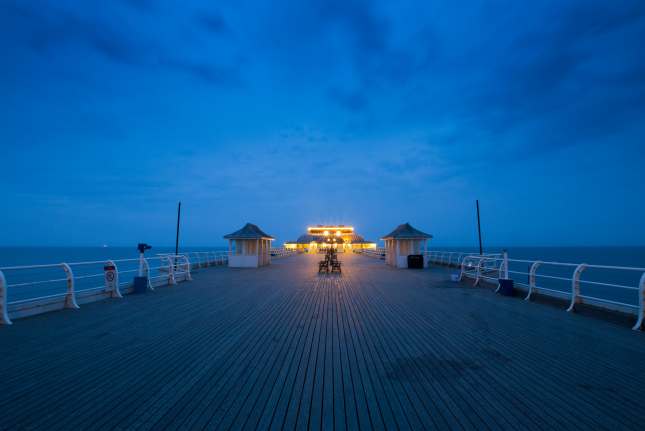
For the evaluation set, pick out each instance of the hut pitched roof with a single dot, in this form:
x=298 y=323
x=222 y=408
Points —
x=406 y=231
x=249 y=231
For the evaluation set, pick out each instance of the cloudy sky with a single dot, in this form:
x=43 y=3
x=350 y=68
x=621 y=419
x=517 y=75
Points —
x=289 y=113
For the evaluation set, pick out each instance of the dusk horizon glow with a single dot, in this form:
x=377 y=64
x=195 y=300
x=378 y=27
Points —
x=368 y=114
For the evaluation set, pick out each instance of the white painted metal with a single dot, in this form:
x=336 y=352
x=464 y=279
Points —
x=171 y=270
x=70 y=296
x=4 y=315
x=640 y=322
x=532 y=281
x=145 y=272
x=575 y=286
x=189 y=277
x=112 y=280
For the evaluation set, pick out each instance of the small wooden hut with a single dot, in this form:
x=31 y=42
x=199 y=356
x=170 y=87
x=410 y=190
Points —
x=249 y=247
x=403 y=241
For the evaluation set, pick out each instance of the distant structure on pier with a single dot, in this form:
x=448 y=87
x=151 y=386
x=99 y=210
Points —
x=249 y=247
x=339 y=237
x=406 y=241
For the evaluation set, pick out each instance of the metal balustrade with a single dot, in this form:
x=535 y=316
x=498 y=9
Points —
x=33 y=289
x=279 y=252
x=598 y=293
x=378 y=253
x=491 y=267
x=40 y=288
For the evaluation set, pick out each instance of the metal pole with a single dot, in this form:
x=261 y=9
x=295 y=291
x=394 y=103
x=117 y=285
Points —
x=479 y=229
x=177 y=237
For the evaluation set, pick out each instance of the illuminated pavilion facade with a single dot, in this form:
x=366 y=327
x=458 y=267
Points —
x=339 y=237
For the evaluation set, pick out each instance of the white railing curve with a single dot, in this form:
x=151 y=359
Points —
x=4 y=315
x=70 y=296
x=112 y=279
x=575 y=286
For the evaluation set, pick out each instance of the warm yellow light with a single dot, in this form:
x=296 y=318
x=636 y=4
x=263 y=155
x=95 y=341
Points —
x=326 y=233
x=333 y=228
x=337 y=233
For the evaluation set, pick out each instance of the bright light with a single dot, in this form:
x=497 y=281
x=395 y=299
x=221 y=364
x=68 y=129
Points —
x=337 y=233
x=326 y=233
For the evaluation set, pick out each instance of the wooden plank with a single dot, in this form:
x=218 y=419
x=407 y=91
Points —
x=283 y=348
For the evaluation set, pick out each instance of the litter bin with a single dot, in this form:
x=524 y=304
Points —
x=506 y=287
x=415 y=261
x=140 y=285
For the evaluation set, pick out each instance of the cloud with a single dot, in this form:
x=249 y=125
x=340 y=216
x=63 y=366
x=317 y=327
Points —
x=213 y=22
x=51 y=29
x=206 y=72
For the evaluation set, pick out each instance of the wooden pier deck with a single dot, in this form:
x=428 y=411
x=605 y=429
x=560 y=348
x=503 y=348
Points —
x=284 y=348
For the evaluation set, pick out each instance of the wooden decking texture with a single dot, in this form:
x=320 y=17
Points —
x=282 y=347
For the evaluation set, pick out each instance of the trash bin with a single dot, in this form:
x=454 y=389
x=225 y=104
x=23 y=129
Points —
x=415 y=261
x=140 y=285
x=506 y=287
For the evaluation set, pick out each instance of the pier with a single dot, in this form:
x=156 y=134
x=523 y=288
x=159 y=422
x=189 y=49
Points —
x=284 y=347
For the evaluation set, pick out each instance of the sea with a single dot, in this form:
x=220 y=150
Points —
x=22 y=287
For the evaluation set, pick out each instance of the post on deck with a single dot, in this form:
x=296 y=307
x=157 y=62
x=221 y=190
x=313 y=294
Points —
x=171 y=270
x=575 y=286
x=4 y=314
x=641 y=304
x=112 y=279
x=70 y=296
x=532 y=278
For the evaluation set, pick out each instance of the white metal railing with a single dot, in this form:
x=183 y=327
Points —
x=378 y=253
x=33 y=289
x=604 y=294
x=451 y=258
x=205 y=259
x=282 y=252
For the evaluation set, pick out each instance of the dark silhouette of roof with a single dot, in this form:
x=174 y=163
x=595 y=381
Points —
x=249 y=231
x=406 y=231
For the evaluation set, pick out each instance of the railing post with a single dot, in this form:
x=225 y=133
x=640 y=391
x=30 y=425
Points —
x=532 y=281
x=171 y=270
x=4 y=314
x=575 y=286
x=187 y=268
x=70 y=297
x=641 y=304
x=463 y=268
x=479 y=271
x=112 y=279
x=146 y=272
x=502 y=272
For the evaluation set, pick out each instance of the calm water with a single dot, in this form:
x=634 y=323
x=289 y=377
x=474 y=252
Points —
x=616 y=256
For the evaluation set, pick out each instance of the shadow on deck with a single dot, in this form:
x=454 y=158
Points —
x=283 y=347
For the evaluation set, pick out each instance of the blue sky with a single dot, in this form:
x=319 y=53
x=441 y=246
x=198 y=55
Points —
x=288 y=114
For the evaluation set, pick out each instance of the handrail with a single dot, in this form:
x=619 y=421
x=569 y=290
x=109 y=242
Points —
x=70 y=296
x=112 y=279
x=4 y=315
x=161 y=269
x=279 y=252
x=476 y=266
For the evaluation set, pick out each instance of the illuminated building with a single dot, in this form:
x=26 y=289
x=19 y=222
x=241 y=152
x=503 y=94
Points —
x=340 y=237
